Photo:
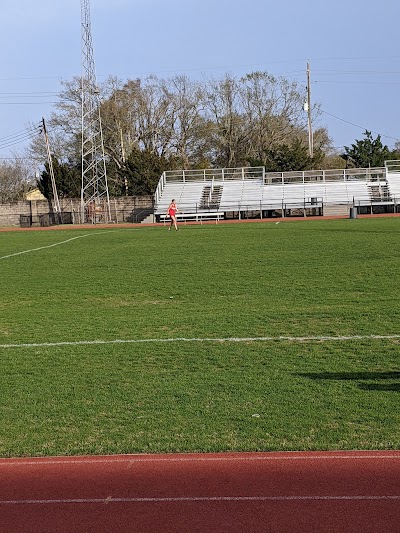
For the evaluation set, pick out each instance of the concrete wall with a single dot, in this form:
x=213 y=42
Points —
x=121 y=209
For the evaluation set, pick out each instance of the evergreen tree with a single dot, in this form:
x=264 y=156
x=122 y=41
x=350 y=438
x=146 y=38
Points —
x=67 y=178
x=143 y=169
x=288 y=157
x=366 y=153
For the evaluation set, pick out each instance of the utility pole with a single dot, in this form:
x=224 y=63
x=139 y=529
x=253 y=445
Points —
x=56 y=200
x=123 y=158
x=308 y=107
x=95 y=200
x=121 y=136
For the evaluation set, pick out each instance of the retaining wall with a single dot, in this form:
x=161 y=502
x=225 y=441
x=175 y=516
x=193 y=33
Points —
x=122 y=209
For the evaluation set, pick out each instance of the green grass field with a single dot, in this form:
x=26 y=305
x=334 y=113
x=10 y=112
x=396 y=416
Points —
x=294 y=279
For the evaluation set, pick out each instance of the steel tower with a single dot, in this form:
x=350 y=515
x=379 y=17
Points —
x=95 y=200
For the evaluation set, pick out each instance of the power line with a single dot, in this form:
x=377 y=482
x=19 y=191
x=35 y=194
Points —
x=26 y=103
x=23 y=139
x=15 y=159
x=36 y=78
x=36 y=94
x=19 y=133
x=359 y=82
x=358 y=126
x=247 y=65
x=336 y=71
x=19 y=137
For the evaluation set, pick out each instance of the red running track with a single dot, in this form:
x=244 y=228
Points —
x=320 y=492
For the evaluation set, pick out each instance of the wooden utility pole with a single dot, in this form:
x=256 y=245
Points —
x=123 y=157
x=57 y=207
x=310 y=133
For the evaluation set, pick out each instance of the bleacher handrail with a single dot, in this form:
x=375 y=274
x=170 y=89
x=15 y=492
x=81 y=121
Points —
x=284 y=178
x=344 y=174
x=216 y=174
x=160 y=188
x=393 y=165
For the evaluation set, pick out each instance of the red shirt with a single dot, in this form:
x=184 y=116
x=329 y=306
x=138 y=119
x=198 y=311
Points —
x=172 y=210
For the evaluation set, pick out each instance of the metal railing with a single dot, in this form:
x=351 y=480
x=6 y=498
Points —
x=284 y=208
x=322 y=176
x=247 y=173
x=393 y=166
x=209 y=174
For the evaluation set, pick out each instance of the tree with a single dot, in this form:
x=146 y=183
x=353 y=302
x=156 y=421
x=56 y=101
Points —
x=187 y=120
x=224 y=109
x=287 y=157
x=273 y=108
x=226 y=122
x=366 y=153
x=395 y=153
x=67 y=178
x=14 y=181
x=142 y=171
x=63 y=127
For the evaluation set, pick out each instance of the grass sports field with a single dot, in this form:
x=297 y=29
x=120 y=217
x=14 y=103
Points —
x=235 y=337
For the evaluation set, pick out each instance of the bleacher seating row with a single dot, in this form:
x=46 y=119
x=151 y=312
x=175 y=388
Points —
x=393 y=181
x=259 y=193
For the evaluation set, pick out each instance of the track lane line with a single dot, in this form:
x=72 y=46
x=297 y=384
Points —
x=128 y=459
x=190 y=499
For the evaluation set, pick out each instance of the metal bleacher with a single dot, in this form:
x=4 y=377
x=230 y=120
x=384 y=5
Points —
x=250 y=191
x=393 y=179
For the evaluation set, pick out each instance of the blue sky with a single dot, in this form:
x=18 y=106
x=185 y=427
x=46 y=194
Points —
x=352 y=47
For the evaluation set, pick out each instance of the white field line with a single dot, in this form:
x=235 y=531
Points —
x=321 y=338
x=129 y=460
x=55 y=244
x=194 y=499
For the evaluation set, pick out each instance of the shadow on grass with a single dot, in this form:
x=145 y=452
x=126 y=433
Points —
x=360 y=376
x=389 y=387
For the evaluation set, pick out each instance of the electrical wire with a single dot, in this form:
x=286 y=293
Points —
x=26 y=103
x=326 y=72
x=36 y=94
x=20 y=137
x=23 y=132
x=359 y=82
x=358 y=126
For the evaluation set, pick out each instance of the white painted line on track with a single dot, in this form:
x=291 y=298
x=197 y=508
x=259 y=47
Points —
x=290 y=456
x=322 y=338
x=52 y=245
x=194 y=499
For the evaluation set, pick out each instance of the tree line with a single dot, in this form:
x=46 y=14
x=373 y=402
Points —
x=157 y=124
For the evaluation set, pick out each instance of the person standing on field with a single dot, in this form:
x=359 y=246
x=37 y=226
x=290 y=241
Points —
x=172 y=210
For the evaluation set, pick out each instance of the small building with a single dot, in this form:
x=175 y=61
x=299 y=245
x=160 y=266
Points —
x=34 y=195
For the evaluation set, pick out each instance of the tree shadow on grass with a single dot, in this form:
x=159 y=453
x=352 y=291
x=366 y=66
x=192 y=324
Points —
x=361 y=377
x=388 y=387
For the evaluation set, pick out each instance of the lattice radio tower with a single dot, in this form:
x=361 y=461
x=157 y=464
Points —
x=95 y=200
